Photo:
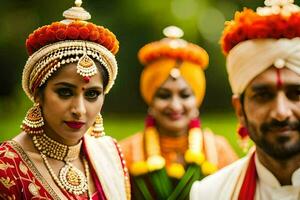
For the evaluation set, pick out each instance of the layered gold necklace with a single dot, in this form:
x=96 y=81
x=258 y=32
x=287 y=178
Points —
x=70 y=178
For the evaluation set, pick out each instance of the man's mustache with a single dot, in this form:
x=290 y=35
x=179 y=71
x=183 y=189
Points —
x=275 y=125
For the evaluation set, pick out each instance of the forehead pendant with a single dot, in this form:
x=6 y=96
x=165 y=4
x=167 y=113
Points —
x=86 y=67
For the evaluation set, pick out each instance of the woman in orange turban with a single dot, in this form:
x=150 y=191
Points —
x=173 y=150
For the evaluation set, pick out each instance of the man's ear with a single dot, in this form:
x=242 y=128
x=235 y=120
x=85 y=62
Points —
x=239 y=111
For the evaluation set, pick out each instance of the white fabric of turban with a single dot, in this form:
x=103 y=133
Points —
x=252 y=57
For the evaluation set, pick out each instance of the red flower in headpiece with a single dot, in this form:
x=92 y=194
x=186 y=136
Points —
x=42 y=39
x=50 y=35
x=76 y=30
x=84 y=32
x=60 y=34
x=72 y=33
x=94 y=35
x=250 y=25
x=258 y=29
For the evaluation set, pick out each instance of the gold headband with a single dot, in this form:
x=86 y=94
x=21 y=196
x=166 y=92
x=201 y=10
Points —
x=70 y=40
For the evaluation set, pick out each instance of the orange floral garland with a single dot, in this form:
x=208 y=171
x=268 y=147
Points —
x=160 y=49
x=249 y=25
x=77 y=30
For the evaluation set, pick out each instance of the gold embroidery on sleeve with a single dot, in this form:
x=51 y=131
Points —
x=4 y=166
x=7 y=182
x=10 y=155
x=23 y=168
x=34 y=189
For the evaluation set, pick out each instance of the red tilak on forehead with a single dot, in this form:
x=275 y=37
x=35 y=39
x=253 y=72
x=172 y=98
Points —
x=279 y=82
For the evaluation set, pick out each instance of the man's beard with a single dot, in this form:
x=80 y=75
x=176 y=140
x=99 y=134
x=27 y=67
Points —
x=277 y=149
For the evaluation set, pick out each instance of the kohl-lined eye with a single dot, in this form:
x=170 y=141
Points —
x=64 y=92
x=92 y=94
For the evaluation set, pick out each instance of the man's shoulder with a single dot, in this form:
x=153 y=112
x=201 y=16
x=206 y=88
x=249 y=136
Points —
x=212 y=186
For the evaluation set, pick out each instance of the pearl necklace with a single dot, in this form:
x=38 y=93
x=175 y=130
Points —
x=70 y=178
x=56 y=150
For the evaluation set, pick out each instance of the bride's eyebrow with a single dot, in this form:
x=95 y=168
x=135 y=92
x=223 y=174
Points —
x=65 y=84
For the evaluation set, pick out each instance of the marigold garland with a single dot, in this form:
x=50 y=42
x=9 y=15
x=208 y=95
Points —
x=154 y=162
x=77 y=30
x=249 y=25
x=164 y=48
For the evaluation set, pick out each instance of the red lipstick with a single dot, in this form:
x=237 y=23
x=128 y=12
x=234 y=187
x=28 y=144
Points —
x=74 y=124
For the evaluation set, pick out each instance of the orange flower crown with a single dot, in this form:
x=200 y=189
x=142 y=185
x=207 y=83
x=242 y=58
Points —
x=279 y=19
x=173 y=47
x=77 y=30
x=71 y=40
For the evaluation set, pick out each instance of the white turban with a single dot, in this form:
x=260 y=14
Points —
x=250 y=58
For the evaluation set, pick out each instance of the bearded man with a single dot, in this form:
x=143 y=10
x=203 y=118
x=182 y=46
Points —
x=263 y=64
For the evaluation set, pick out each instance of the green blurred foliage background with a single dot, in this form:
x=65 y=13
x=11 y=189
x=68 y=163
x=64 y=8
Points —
x=135 y=23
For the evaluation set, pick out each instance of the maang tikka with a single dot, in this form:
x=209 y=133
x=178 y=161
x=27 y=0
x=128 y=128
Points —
x=33 y=122
x=86 y=67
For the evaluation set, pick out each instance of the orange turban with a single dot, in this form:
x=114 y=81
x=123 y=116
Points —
x=161 y=57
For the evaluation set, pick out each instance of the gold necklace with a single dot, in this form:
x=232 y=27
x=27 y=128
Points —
x=56 y=150
x=70 y=178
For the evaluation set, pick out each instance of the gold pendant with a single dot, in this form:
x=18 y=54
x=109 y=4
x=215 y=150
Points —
x=86 y=67
x=73 y=180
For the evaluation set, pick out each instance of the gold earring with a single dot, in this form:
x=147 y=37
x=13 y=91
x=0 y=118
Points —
x=98 y=128
x=33 y=122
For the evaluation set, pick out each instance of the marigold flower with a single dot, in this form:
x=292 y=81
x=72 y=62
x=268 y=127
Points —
x=76 y=30
x=72 y=32
x=208 y=168
x=250 y=25
x=60 y=34
x=50 y=35
x=84 y=32
x=155 y=163
x=194 y=157
x=175 y=50
x=175 y=170
x=94 y=35
x=138 y=168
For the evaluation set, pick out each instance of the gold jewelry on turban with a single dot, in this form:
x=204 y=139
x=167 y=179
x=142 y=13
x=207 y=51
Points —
x=70 y=40
x=255 y=41
x=162 y=57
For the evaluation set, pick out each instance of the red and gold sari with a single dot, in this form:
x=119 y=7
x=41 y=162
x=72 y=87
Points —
x=20 y=179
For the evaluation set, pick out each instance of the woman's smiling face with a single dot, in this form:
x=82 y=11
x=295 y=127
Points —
x=174 y=105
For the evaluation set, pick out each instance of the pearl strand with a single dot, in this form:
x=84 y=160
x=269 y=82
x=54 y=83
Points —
x=59 y=183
